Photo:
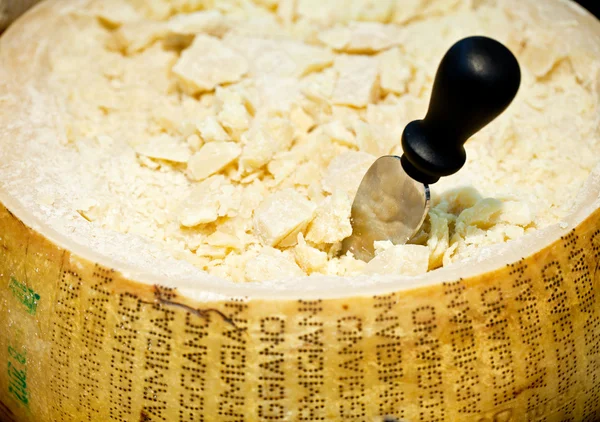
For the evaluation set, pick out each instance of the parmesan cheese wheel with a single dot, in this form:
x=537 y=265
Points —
x=94 y=330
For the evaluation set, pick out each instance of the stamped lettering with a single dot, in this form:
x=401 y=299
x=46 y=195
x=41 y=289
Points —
x=233 y=364
x=93 y=337
x=499 y=345
x=562 y=329
x=587 y=284
x=17 y=376
x=429 y=366
x=351 y=382
x=311 y=362
x=272 y=391
x=157 y=357
x=25 y=295
x=193 y=368
x=122 y=364
x=388 y=356
x=530 y=331
x=61 y=362
x=462 y=337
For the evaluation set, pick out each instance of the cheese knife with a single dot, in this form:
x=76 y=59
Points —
x=475 y=82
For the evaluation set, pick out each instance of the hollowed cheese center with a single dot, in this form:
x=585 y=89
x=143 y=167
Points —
x=235 y=137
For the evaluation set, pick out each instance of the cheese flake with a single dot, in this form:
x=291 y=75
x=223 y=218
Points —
x=212 y=158
x=282 y=214
x=271 y=264
x=208 y=62
x=212 y=198
x=164 y=147
x=346 y=171
x=407 y=260
x=308 y=258
x=361 y=37
x=210 y=22
x=211 y=130
x=332 y=220
x=264 y=140
x=339 y=133
x=395 y=72
x=279 y=57
x=357 y=82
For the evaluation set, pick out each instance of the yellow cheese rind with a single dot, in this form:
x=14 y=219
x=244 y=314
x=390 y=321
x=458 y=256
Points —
x=91 y=343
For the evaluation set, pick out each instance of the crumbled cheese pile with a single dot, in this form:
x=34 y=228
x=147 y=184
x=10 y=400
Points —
x=234 y=133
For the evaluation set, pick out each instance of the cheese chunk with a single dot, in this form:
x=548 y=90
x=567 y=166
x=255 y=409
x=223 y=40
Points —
x=276 y=57
x=213 y=198
x=400 y=259
x=264 y=140
x=339 y=133
x=332 y=220
x=211 y=130
x=208 y=63
x=271 y=264
x=210 y=22
x=134 y=37
x=357 y=82
x=282 y=215
x=114 y=12
x=361 y=37
x=212 y=158
x=439 y=236
x=164 y=147
x=394 y=70
x=345 y=172
x=308 y=258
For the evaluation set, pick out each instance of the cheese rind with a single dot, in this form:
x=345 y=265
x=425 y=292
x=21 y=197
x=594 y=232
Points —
x=158 y=97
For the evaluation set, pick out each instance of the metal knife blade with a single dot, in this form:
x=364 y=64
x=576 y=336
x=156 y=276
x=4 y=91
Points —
x=389 y=205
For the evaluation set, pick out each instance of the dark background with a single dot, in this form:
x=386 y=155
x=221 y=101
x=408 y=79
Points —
x=591 y=5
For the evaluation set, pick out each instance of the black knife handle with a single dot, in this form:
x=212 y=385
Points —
x=476 y=81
